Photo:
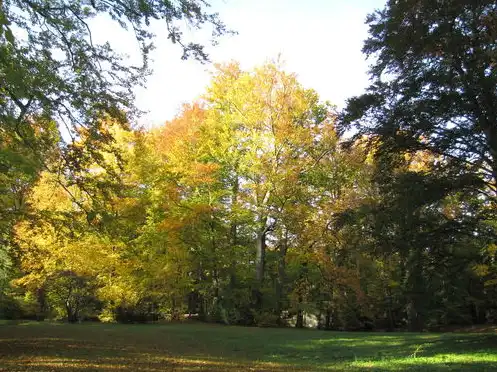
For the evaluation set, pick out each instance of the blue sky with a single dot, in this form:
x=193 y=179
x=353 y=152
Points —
x=319 y=40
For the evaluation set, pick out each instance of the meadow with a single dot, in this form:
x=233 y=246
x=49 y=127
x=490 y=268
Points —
x=207 y=347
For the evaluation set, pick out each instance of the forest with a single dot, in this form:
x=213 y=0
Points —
x=259 y=204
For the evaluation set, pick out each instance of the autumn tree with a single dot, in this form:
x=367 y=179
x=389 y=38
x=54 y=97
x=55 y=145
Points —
x=57 y=82
x=51 y=68
x=183 y=234
x=71 y=247
x=279 y=146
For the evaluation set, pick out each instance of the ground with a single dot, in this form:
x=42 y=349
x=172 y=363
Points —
x=203 y=347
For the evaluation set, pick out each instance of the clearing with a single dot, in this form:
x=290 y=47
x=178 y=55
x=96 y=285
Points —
x=204 y=347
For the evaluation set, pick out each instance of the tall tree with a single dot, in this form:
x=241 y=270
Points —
x=433 y=92
x=58 y=84
x=434 y=85
x=278 y=131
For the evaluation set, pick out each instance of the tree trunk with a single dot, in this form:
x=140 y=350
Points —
x=260 y=256
x=71 y=314
x=415 y=291
x=42 y=304
x=215 y=271
x=328 y=319
x=234 y=232
x=414 y=317
x=391 y=322
x=390 y=318
x=280 y=282
x=300 y=316
x=234 y=242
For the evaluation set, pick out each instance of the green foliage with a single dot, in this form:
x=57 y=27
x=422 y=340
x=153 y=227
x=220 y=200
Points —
x=9 y=307
x=429 y=119
x=71 y=296
x=433 y=85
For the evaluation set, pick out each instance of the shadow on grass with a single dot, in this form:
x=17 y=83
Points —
x=380 y=352
x=195 y=347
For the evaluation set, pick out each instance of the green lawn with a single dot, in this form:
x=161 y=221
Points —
x=203 y=347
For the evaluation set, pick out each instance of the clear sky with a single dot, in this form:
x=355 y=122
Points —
x=319 y=40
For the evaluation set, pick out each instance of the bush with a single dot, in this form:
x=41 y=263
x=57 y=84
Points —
x=107 y=315
x=267 y=319
x=9 y=308
x=30 y=307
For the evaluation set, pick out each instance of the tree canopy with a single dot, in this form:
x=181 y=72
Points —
x=433 y=92
x=259 y=203
x=58 y=86
x=434 y=85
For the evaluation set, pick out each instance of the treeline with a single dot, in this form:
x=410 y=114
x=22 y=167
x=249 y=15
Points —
x=259 y=204
x=246 y=209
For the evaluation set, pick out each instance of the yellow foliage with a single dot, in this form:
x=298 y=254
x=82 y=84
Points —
x=492 y=249
x=420 y=161
x=49 y=195
x=481 y=270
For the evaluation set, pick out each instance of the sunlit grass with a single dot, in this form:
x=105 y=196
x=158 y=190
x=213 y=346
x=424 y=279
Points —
x=481 y=361
x=192 y=347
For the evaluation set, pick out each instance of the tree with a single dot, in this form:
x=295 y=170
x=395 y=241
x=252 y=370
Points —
x=182 y=247
x=50 y=68
x=434 y=86
x=57 y=85
x=19 y=169
x=233 y=184
x=70 y=293
x=51 y=71
x=433 y=93
x=276 y=132
x=74 y=239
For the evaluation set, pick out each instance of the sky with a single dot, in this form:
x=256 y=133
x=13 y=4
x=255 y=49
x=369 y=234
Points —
x=319 y=40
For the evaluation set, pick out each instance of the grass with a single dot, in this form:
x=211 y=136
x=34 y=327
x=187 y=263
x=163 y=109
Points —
x=204 y=347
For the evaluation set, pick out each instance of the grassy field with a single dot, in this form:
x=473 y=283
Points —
x=203 y=347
